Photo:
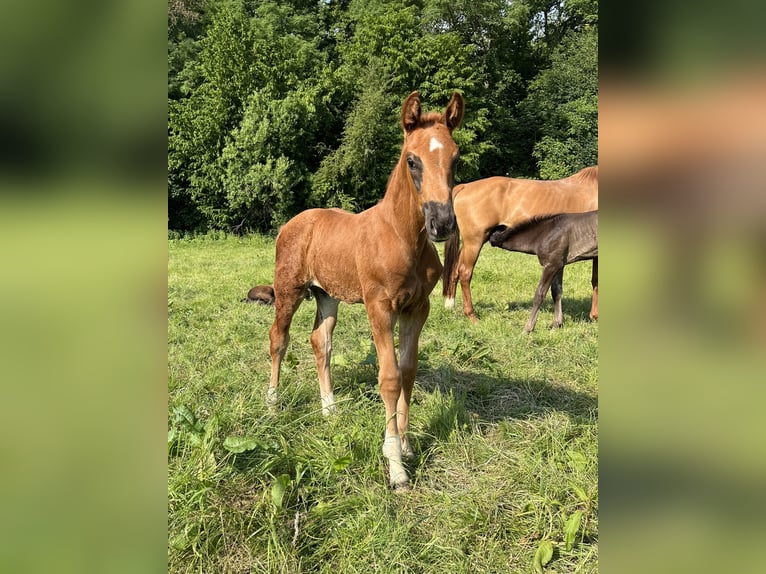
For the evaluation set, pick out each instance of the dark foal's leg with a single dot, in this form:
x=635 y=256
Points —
x=286 y=303
x=594 y=283
x=557 y=290
x=549 y=272
x=321 y=342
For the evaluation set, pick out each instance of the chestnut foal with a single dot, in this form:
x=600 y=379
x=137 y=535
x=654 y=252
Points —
x=383 y=257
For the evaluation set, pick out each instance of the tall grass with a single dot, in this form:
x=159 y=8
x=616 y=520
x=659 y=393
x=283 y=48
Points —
x=504 y=427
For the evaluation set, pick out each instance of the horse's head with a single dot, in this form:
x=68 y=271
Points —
x=431 y=157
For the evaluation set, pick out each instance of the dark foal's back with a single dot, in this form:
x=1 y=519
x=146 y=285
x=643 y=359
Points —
x=568 y=236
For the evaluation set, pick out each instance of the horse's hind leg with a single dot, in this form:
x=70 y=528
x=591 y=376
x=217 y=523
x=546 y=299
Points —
x=594 y=283
x=549 y=272
x=286 y=302
x=469 y=254
x=557 y=290
x=321 y=342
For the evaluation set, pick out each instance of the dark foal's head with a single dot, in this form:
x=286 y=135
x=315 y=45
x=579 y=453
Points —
x=431 y=157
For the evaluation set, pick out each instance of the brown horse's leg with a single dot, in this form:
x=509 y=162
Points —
x=549 y=272
x=469 y=254
x=594 y=282
x=410 y=326
x=557 y=290
x=449 y=270
x=286 y=302
x=382 y=321
x=321 y=342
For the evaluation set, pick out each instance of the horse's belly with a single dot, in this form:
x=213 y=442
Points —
x=348 y=291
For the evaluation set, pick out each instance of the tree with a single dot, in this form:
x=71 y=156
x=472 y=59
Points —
x=563 y=104
x=279 y=106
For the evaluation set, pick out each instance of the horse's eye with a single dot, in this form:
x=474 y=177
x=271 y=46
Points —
x=410 y=163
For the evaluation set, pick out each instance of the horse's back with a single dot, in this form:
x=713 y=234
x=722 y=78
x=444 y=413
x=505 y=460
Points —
x=347 y=255
x=317 y=248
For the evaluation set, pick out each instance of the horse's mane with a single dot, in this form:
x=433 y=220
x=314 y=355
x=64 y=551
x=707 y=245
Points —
x=586 y=175
x=430 y=118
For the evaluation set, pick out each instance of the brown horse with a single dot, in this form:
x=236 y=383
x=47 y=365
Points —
x=383 y=257
x=557 y=240
x=483 y=205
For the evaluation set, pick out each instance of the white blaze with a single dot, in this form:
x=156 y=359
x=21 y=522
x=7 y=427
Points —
x=435 y=144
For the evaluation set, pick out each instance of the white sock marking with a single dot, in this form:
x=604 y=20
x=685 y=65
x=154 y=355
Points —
x=392 y=450
x=328 y=404
x=449 y=303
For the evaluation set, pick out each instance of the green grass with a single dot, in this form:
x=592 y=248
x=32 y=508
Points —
x=504 y=427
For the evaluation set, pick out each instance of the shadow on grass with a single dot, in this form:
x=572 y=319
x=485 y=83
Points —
x=493 y=399
x=574 y=309
x=476 y=399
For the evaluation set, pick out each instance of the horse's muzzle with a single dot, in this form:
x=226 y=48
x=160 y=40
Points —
x=440 y=220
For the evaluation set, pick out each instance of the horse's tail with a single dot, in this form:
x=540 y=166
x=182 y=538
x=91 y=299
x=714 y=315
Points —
x=451 y=251
x=263 y=294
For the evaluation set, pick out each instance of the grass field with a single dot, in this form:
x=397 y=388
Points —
x=504 y=428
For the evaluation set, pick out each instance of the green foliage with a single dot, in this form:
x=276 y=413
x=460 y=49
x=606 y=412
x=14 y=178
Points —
x=563 y=100
x=354 y=175
x=279 y=106
x=543 y=555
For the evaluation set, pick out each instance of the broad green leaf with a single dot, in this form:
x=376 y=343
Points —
x=341 y=463
x=571 y=529
x=237 y=444
x=580 y=493
x=278 y=489
x=183 y=416
x=543 y=555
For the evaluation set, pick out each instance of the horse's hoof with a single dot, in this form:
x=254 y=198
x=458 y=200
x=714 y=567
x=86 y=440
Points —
x=401 y=488
x=473 y=318
x=272 y=400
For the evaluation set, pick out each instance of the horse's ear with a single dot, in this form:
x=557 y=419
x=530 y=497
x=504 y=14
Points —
x=411 y=112
x=453 y=114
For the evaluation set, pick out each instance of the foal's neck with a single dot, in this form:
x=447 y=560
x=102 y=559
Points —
x=402 y=207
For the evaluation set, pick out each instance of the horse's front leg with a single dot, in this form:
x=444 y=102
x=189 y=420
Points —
x=410 y=326
x=382 y=321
